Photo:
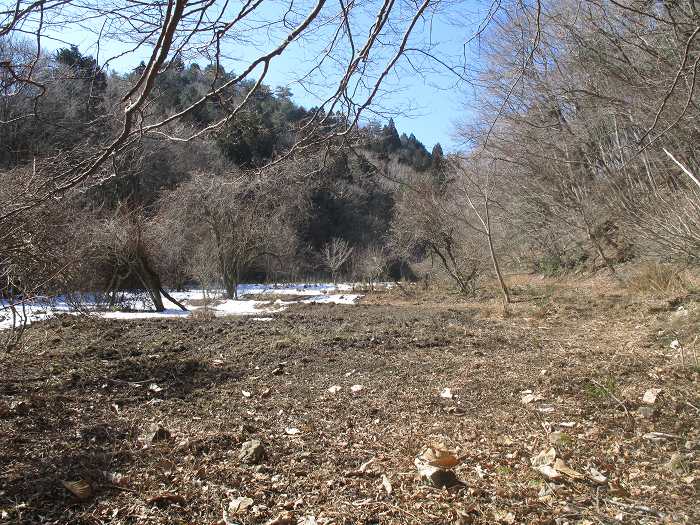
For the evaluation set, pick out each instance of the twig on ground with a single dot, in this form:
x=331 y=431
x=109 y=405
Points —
x=612 y=396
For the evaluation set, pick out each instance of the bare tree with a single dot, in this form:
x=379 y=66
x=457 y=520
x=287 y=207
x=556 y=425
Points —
x=577 y=105
x=476 y=186
x=125 y=243
x=239 y=221
x=334 y=255
x=370 y=264
x=428 y=222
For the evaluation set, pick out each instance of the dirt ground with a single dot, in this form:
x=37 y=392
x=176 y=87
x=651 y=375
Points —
x=149 y=416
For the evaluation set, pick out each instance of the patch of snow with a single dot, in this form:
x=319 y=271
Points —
x=168 y=312
x=293 y=289
x=139 y=306
x=334 y=298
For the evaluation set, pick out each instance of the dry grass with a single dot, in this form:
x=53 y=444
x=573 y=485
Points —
x=209 y=301
x=658 y=279
x=203 y=314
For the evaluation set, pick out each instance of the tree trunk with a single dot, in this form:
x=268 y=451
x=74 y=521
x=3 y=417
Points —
x=230 y=286
x=150 y=280
x=599 y=249
x=494 y=259
x=172 y=299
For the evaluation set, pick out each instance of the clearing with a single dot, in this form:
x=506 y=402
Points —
x=149 y=415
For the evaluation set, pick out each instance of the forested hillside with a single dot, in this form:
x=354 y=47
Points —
x=578 y=154
x=216 y=210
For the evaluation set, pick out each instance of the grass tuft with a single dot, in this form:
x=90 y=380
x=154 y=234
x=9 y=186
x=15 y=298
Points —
x=656 y=278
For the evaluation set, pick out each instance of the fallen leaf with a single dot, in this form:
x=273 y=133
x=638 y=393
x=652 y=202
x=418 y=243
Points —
x=167 y=497
x=596 y=476
x=615 y=489
x=529 y=397
x=387 y=484
x=438 y=455
x=81 y=489
x=677 y=464
x=365 y=466
x=239 y=505
x=559 y=438
x=285 y=518
x=446 y=393
x=650 y=396
x=265 y=392
x=115 y=478
x=548 y=472
x=546 y=457
x=504 y=516
x=562 y=467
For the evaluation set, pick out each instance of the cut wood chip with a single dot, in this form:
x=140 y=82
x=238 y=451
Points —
x=659 y=436
x=292 y=431
x=335 y=389
x=81 y=489
x=356 y=388
x=436 y=476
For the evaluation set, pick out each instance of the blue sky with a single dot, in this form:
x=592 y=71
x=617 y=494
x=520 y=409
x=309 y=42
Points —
x=427 y=104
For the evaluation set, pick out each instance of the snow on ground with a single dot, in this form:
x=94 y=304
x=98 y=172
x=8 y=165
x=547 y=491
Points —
x=335 y=298
x=136 y=307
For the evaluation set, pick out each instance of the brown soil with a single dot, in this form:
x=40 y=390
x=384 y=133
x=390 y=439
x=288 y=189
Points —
x=77 y=400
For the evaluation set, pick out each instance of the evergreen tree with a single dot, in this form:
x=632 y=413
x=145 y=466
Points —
x=437 y=165
x=390 y=137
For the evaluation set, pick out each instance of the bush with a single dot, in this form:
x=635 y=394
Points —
x=552 y=265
